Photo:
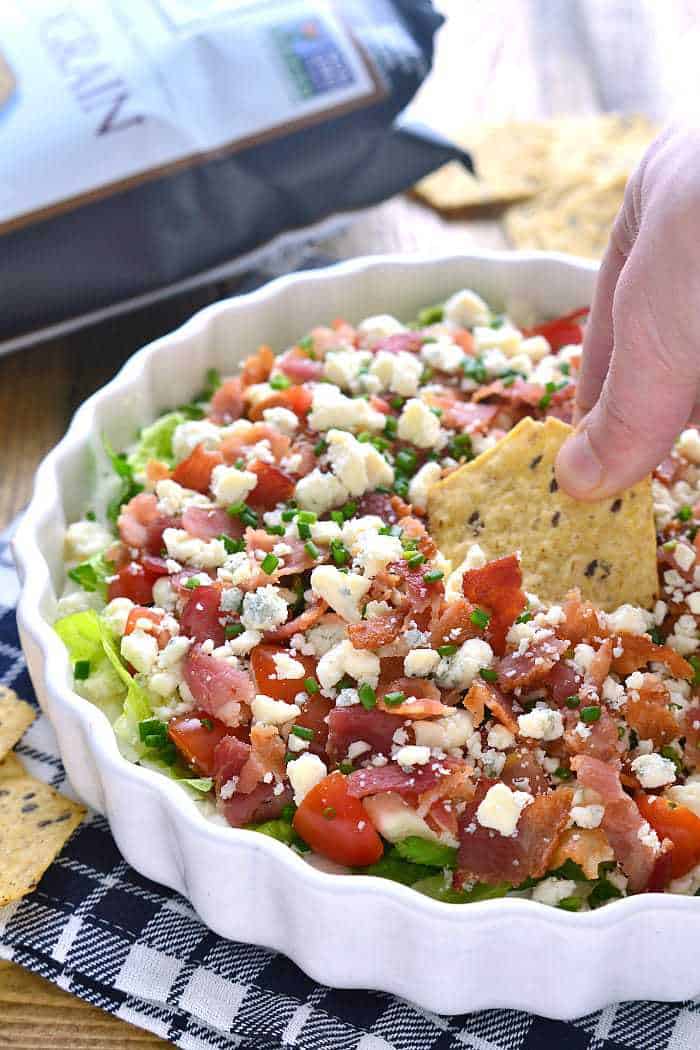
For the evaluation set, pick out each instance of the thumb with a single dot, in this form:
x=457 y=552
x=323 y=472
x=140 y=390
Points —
x=647 y=397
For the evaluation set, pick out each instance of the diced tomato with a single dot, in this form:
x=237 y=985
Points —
x=463 y=337
x=336 y=825
x=497 y=587
x=141 y=613
x=677 y=823
x=296 y=398
x=274 y=486
x=265 y=672
x=195 y=471
x=195 y=736
x=258 y=366
x=133 y=581
x=201 y=616
x=562 y=331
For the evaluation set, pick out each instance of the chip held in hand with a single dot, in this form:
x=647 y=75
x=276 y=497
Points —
x=508 y=499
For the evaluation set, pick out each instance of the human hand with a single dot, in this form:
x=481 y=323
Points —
x=640 y=372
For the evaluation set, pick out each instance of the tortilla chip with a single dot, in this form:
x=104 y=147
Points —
x=35 y=824
x=507 y=500
x=11 y=767
x=511 y=162
x=519 y=159
x=15 y=717
x=576 y=217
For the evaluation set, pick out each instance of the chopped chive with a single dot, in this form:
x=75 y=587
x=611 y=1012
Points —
x=287 y=515
x=311 y=685
x=311 y=549
x=328 y=813
x=346 y=767
x=656 y=636
x=480 y=618
x=590 y=714
x=684 y=513
x=81 y=669
x=236 y=509
x=232 y=546
x=394 y=699
x=565 y=368
x=414 y=559
x=367 y=696
x=433 y=576
x=288 y=812
x=280 y=382
x=91 y=516
x=406 y=460
x=192 y=583
x=339 y=552
x=426 y=375
x=249 y=517
x=307 y=517
x=349 y=509
x=207 y=724
x=337 y=516
x=524 y=617
x=447 y=650
x=573 y=701
x=474 y=368
x=364 y=436
x=304 y=530
x=391 y=426
x=563 y=773
x=397 y=403
x=269 y=563
x=320 y=447
x=488 y=674
x=232 y=630
x=302 y=732
x=274 y=530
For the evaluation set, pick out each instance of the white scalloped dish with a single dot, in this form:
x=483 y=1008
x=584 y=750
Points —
x=353 y=932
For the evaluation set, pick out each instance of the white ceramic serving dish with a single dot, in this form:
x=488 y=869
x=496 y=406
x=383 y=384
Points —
x=353 y=932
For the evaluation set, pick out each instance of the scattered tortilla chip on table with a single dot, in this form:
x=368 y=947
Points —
x=575 y=217
x=35 y=824
x=507 y=500
x=564 y=179
x=15 y=716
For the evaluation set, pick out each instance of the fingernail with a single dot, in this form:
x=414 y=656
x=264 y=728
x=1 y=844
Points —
x=579 y=470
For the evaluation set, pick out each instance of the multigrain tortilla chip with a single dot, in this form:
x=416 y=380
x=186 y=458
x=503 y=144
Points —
x=11 y=767
x=576 y=217
x=35 y=824
x=519 y=159
x=507 y=499
x=15 y=717
x=511 y=161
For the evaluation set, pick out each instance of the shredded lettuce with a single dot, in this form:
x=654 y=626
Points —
x=92 y=574
x=434 y=886
x=128 y=488
x=81 y=634
x=423 y=851
x=156 y=442
x=87 y=638
x=396 y=870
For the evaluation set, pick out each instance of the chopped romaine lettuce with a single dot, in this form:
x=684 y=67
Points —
x=156 y=442
x=92 y=574
x=423 y=851
x=434 y=886
x=87 y=638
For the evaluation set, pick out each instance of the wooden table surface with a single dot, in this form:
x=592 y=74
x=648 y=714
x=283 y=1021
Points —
x=509 y=58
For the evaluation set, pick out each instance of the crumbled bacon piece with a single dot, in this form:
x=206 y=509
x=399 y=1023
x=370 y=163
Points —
x=638 y=650
x=648 y=713
x=497 y=587
x=491 y=857
x=636 y=847
x=519 y=670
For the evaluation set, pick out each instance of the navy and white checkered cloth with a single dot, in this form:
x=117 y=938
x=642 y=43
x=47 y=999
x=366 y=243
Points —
x=95 y=927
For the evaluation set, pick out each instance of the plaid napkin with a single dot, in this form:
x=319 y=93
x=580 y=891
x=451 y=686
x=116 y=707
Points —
x=95 y=927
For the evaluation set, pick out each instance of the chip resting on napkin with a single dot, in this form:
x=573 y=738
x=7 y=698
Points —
x=507 y=499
